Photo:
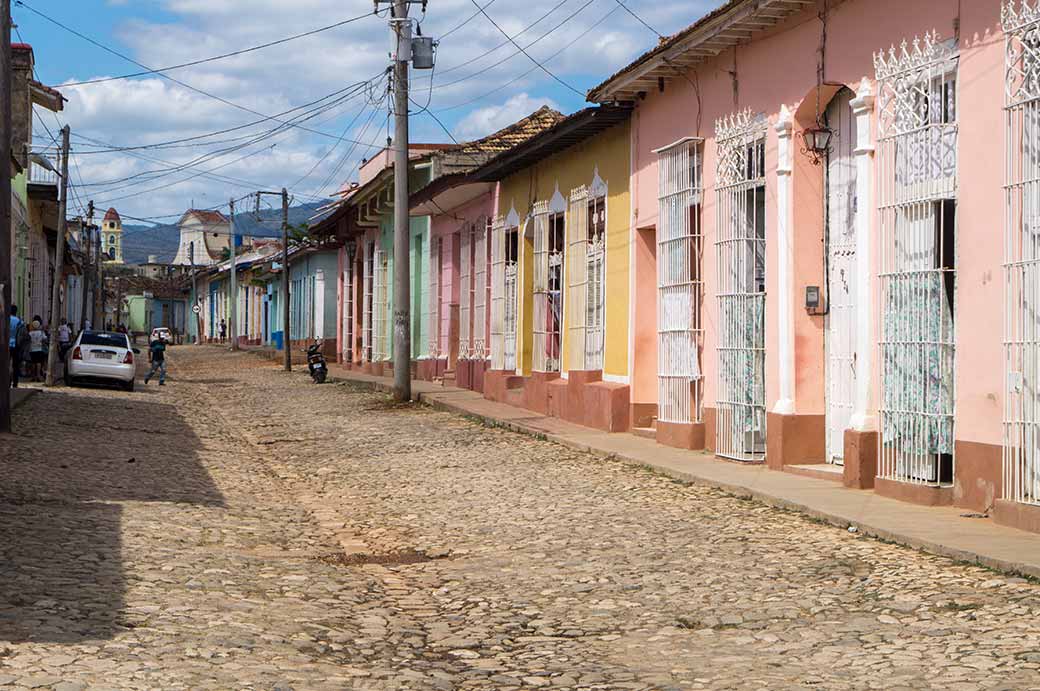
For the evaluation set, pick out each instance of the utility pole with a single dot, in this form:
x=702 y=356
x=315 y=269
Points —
x=59 y=258
x=233 y=296
x=402 y=28
x=194 y=295
x=287 y=363
x=5 y=214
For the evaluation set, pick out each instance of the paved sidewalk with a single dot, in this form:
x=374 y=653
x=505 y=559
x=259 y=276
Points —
x=945 y=531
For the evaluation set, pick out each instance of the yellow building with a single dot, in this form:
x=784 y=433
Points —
x=560 y=271
x=112 y=237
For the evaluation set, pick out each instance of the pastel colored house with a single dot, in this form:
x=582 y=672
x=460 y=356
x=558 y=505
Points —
x=560 y=246
x=846 y=308
x=460 y=209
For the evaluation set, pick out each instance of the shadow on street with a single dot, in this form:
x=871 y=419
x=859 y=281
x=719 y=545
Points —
x=73 y=456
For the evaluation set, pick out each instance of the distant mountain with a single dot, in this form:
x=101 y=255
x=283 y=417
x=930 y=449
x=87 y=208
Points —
x=141 y=241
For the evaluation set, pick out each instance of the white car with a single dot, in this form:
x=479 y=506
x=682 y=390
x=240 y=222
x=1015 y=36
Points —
x=101 y=355
x=162 y=333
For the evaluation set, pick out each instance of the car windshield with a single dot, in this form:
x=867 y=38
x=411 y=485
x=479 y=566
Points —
x=103 y=338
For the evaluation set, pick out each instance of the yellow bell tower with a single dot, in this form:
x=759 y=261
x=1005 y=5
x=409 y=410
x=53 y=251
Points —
x=112 y=237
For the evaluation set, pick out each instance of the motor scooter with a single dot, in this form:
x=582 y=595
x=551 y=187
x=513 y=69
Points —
x=316 y=364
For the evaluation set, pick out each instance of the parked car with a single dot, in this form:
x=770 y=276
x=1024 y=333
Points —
x=101 y=355
x=163 y=333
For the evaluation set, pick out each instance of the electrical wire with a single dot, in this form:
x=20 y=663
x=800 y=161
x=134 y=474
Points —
x=639 y=19
x=518 y=52
x=532 y=69
x=208 y=94
x=529 y=57
x=222 y=56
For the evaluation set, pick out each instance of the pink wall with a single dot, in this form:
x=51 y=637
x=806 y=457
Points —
x=445 y=225
x=779 y=67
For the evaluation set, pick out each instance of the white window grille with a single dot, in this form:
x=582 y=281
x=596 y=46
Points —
x=679 y=282
x=917 y=163
x=549 y=231
x=840 y=320
x=595 y=274
x=586 y=257
x=481 y=289
x=433 y=304
x=741 y=257
x=37 y=269
x=367 y=300
x=466 y=238
x=578 y=279
x=1021 y=464
x=504 y=248
x=380 y=340
x=348 y=307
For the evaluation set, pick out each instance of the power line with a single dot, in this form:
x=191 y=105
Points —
x=165 y=76
x=169 y=144
x=513 y=55
x=638 y=18
x=232 y=54
x=532 y=69
x=529 y=57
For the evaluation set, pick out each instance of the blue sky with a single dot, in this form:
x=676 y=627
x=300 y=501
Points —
x=481 y=83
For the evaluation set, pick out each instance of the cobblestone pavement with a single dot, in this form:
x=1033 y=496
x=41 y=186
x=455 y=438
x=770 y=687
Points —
x=242 y=528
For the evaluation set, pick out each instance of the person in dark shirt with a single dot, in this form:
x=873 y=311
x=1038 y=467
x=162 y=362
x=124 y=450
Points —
x=157 y=356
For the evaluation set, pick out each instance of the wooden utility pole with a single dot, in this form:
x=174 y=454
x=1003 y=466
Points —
x=59 y=259
x=5 y=214
x=287 y=363
x=402 y=28
x=233 y=289
x=195 y=295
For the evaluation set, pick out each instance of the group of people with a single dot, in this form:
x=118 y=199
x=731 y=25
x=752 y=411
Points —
x=29 y=344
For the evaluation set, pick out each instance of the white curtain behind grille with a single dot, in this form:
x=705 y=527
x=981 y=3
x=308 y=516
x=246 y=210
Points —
x=498 y=295
x=577 y=278
x=465 y=291
x=678 y=276
x=481 y=289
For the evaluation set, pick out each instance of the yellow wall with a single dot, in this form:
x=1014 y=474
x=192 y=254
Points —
x=608 y=154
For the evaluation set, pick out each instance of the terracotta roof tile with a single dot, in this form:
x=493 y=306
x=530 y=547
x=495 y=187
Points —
x=112 y=215
x=205 y=216
x=517 y=133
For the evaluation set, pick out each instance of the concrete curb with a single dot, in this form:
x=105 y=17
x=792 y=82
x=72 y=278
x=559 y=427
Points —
x=837 y=519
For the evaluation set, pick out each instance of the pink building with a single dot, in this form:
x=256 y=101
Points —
x=819 y=189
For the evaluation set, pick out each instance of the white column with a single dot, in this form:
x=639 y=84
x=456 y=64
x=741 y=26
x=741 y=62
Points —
x=863 y=109
x=785 y=264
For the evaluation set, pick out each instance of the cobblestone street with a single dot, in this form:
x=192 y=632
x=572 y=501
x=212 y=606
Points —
x=242 y=528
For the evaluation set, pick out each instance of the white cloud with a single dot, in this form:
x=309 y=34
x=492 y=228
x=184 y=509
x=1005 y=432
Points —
x=493 y=90
x=484 y=121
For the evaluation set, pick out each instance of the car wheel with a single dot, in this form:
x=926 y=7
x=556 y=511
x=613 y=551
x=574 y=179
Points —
x=71 y=381
x=129 y=386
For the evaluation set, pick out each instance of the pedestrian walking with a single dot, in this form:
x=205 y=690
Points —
x=223 y=330
x=17 y=343
x=37 y=350
x=157 y=356
x=88 y=325
x=64 y=338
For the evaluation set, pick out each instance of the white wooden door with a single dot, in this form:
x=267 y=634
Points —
x=841 y=271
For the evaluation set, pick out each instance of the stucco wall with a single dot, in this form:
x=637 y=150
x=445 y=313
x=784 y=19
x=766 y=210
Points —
x=780 y=68
x=608 y=155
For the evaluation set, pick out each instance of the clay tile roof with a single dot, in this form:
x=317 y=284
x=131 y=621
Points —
x=113 y=215
x=517 y=133
x=205 y=216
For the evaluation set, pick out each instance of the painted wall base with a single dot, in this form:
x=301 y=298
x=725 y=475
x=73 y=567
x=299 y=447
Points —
x=642 y=414
x=925 y=495
x=978 y=475
x=469 y=374
x=795 y=440
x=708 y=416
x=430 y=369
x=536 y=391
x=1014 y=514
x=861 y=458
x=585 y=399
x=681 y=435
x=498 y=383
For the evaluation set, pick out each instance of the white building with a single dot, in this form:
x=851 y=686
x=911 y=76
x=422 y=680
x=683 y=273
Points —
x=210 y=233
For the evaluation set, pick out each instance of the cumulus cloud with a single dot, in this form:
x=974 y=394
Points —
x=484 y=121
x=482 y=83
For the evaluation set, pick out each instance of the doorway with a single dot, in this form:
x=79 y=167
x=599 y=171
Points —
x=840 y=210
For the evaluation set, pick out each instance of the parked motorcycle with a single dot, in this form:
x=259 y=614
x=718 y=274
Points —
x=316 y=364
